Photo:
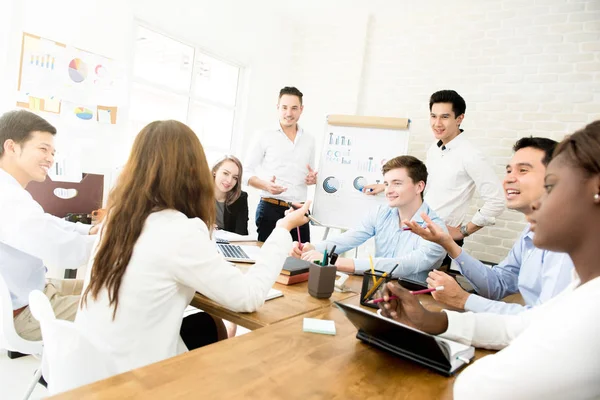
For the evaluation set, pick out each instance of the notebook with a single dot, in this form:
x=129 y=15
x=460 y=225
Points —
x=442 y=355
x=237 y=253
x=273 y=294
x=295 y=266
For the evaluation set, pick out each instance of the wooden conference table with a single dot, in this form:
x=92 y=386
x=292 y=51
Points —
x=280 y=361
x=295 y=301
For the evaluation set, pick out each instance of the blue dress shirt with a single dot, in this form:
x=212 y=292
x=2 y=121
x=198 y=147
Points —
x=537 y=274
x=392 y=244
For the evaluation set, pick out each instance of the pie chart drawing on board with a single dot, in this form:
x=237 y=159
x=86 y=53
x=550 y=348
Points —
x=77 y=70
x=331 y=184
x=84 y=113
x=359 y=183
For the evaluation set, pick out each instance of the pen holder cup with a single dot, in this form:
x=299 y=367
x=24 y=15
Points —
x=321 y=281
x=367 y=294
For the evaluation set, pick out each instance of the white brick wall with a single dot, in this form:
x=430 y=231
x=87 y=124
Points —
x=524 y=67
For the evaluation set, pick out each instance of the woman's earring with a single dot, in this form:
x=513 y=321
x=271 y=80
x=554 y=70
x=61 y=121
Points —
x=597 y=197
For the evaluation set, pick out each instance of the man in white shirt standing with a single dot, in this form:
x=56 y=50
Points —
x=286 y=157
x=28 y=236
x=456 y=168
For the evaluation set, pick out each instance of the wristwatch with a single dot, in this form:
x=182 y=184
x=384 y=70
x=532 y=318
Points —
x=464 y=231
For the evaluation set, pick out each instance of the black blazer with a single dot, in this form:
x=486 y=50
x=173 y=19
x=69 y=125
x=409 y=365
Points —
x=235 y=216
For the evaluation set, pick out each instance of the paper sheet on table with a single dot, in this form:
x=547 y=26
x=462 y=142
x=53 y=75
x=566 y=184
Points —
x=234 y=237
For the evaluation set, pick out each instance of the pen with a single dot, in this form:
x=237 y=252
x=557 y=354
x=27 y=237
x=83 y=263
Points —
x=299 y=239
x=435 y=289
x=307 y=215
x=324 y=262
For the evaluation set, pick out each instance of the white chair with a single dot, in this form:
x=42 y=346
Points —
x=71 y=358
x=9 y=338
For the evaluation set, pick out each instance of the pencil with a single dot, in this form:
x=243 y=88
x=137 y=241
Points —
x=324 y=262
x=378 y=283
x=372 y=269
x=375 y=287
x=299 y=238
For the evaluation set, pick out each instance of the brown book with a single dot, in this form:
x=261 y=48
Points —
x=291 y=279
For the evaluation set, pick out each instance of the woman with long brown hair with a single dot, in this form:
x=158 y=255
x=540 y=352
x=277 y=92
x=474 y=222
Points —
x=155 y=251
x=551 y=351
x=231 y=200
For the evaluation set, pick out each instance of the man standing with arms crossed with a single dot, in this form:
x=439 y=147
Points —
x=286 y=156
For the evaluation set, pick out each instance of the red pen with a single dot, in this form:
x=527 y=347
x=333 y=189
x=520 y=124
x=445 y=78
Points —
x=435 y=289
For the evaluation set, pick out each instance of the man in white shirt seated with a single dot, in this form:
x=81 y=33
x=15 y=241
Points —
x=537 y=274
x=405 y=178
x=456 y=168
x=28 y=236
x=280 y=164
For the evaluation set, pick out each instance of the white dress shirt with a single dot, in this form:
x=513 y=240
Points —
x=549 y=352
x=172 y=259
x=273 y=154
x=29 y=237
x=455 y=170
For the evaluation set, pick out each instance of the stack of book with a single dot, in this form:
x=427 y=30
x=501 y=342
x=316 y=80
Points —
x=294 y=271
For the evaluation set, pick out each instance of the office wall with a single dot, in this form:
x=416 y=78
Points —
x=524 y=68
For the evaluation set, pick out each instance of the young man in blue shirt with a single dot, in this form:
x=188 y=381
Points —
x=405 y=178
x=537 y=274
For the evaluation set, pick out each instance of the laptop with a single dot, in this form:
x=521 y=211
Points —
x=239 y=253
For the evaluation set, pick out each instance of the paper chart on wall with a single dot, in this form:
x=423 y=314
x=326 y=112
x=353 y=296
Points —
x=40 y=67
x=52 y=73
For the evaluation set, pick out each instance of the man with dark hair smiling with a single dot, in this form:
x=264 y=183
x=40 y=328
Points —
x=537 y=274
x=456 y=169
x=28 y=236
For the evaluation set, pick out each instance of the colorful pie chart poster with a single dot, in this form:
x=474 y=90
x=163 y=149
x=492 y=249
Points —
x=78 y=114
x=78 y=70
x=84 y=113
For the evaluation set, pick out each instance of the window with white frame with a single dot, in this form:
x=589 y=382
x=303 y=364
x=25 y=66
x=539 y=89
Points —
x=173 y=80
